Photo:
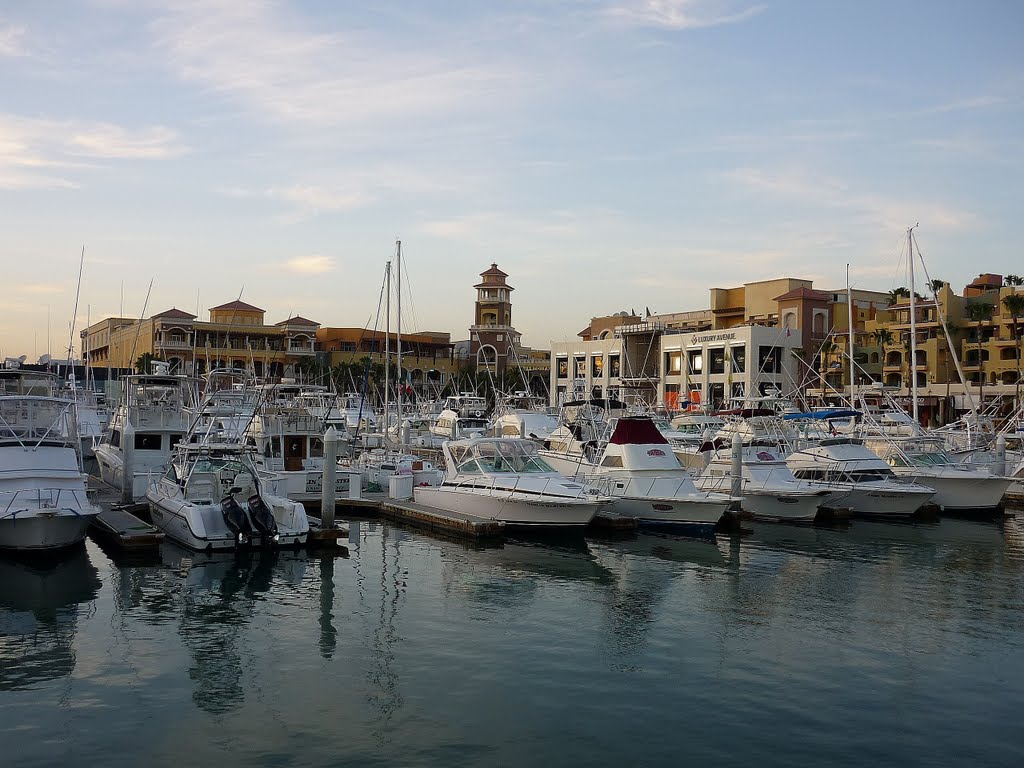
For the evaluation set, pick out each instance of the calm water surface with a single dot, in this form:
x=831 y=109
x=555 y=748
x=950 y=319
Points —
x=876 y=644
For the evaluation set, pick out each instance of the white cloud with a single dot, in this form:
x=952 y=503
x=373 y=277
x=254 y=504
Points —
x=10 y=39
x=683 y=14
x=310 y=265
x=878 y=211
x=31 y=147
x=269 y=59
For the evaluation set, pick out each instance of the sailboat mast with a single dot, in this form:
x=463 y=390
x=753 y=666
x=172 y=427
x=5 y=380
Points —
x=387 y=342
x=849 y=312
x=913 y=330
x=398 y=337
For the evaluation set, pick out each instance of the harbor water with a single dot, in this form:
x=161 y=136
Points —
x=874 y=644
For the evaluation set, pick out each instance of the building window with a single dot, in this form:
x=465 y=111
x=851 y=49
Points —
x=563 y=367
x=696 y=361
x=716 y=357
x=614 y=368
x=739 y=359
x=348 y=346
x=717 y=394
x=580 y=367
x=673 y=363
x=769 y=360
x=597 y=366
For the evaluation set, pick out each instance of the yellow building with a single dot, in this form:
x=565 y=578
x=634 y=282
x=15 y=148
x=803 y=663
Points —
x=236 y=336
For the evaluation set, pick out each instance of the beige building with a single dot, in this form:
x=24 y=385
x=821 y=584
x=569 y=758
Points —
x=236 y=336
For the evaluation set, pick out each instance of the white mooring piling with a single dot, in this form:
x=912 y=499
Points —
x=999 y=464
x=737 y=465
x=330 y=473
x=128 y=464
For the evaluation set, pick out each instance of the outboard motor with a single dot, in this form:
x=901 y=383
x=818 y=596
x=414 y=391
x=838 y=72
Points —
x=235 y=517
x=263 y=519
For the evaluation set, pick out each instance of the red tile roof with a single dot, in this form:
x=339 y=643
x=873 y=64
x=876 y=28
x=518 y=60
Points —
x=297 y=320
x=175 y=314
x=239 y=305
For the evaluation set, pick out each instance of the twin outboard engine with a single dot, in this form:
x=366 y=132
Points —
x=262 y=518
x=235 y=518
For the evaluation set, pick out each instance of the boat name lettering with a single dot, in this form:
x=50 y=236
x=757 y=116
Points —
x=655 y=452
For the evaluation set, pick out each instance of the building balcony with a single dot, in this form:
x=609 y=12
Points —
x=301 y=351
x=167 y=344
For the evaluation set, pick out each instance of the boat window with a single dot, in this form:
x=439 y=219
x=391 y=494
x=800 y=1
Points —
x=275 y=447
x=115 y=438
x=871 y=475
x=175 y=439
x=316 y=447
x=611 y=461
x=145 y=441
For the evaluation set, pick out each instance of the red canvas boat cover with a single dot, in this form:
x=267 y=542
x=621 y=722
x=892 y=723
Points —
x=637 y=430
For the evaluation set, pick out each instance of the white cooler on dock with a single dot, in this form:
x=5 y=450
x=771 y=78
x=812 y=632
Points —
x=400 y=487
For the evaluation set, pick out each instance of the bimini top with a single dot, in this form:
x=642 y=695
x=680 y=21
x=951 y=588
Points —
x=637 y=430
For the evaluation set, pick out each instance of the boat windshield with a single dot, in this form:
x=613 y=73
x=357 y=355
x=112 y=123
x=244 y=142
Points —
x=217 y=463
x=500 y=456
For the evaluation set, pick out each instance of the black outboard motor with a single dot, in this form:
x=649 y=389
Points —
x=235 y=517
x=263 y=519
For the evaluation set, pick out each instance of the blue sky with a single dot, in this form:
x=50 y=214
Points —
x=607 y=154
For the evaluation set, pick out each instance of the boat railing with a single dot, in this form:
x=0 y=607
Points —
x=43 y=498
x=506 y=487
x=609 y=485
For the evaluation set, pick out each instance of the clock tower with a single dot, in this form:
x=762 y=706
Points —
x=492 y=322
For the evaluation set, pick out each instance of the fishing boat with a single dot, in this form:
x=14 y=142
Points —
x=154 y=413
x=868 y=484
x=958 y=487
x=43 y=501
x=639 y=471
x=768 y=488
x=212 y=497
x=495 y=478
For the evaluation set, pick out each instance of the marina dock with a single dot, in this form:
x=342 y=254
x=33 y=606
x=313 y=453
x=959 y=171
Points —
x=119 y=525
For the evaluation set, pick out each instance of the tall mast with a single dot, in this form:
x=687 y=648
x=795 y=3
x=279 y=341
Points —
x=913 y=329
x=849 y=311
x=387 y=342
x=398 y=337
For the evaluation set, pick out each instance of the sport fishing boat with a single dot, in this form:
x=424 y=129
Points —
x=504 y=478
x=768 y=488
x=212 y=497
x=958 y=487
x=639 y=471
x=870 y=486
x=154 y=414
x=43 y=502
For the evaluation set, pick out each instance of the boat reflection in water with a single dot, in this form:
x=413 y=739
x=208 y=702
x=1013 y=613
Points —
x=39 y=606
x=214 y=598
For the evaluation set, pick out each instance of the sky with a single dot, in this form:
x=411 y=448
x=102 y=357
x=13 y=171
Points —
x=607 y=154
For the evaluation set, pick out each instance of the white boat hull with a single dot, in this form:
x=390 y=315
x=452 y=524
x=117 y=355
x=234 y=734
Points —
x=45 y=530
x=958 y=490
x=510 y=507
x=766 y=505
x=881 y=501
x=202 y=527
x=696 y=511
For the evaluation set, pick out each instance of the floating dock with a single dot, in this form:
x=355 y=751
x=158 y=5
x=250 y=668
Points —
x=422 y=516
x=117 y=524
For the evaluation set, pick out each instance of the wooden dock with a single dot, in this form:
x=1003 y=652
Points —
x=422 y=516
x=119 y=525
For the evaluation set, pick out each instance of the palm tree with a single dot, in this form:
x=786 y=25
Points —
x=1013 y=280
x=936 y=286
x=898 y=293
x=979 y=312
x=883 y=336
x=145 y=362
x=1014 y=303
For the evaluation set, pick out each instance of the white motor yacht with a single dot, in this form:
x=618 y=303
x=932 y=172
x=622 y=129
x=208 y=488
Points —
x=43 y=501
x=504 y=478
x=452 y=425
x=378 y=465
x=870 y=485
x=639 y=471
x=958 y=487
x=154 y=414
x=769 y=489
x=212 y=497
